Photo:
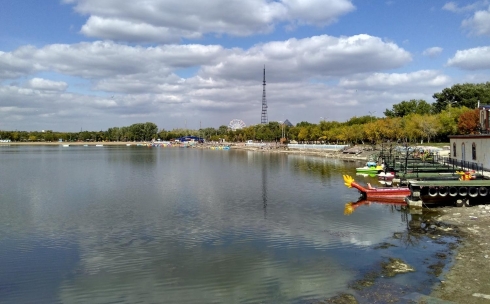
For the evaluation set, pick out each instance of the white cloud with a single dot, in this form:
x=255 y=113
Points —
x=471 y=59
x=107 y=59
x=450 y=6
x=110 y=28
x=226 y=83
x=292 y=60
x=168 y=20
x=13 y=65
x=427 y=79
x=320 y=56
x=455 y=8
x=479 y=24
x=46 y=85
x=146 y=85
x=432 y=52
x=318 y=12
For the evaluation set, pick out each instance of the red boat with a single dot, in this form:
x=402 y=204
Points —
x=394 y=194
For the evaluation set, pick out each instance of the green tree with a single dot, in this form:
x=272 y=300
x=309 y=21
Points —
x=293 y=133
x=150 y=131
x=462 y=95
x=405 y=108
x=448 y=121
x=429 y=126
x=356 y=133
x=222 y=130
x=303 y=134
x=303 y=124
x=314 y=133
x=360 y=120
x=48 y=136
x=412 y=130
x=373 y=131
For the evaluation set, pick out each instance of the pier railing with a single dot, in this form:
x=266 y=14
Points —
x=465 y=165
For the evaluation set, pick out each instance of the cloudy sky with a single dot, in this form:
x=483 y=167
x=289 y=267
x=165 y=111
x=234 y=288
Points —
x=68 y=65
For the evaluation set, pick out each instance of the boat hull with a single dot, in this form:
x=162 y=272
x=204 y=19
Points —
x=392 y=194
x=395 y=194
x=369 y=169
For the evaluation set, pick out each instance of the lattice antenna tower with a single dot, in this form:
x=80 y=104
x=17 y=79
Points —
x=263 y=118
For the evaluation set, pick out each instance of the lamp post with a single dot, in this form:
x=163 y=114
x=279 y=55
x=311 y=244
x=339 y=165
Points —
x=371 y=115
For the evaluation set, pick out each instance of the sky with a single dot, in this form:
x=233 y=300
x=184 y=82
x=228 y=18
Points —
x=71 y=65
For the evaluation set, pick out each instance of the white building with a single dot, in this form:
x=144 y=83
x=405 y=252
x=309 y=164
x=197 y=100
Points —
x=473 y=150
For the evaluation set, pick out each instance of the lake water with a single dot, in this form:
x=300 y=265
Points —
x=168 y=225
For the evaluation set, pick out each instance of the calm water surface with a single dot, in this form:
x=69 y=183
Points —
x=169 y=225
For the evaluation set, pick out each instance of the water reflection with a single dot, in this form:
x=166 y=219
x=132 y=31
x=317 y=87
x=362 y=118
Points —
x=351 y=206
x=325 y=168
x=181 y=226
x=264 y=187
x=366 y=174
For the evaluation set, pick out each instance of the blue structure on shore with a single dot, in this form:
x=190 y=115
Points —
x=191 y=138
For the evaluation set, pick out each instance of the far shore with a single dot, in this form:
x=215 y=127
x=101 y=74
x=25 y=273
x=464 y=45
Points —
x=71 y=143
x=269 y=148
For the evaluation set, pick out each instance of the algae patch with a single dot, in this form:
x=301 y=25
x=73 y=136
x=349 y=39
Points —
x=395 y=266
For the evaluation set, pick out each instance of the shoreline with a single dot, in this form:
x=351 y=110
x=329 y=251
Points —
x=270 y=148
x=466 y=280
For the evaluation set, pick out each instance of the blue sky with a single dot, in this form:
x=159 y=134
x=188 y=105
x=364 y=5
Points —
x=91 y=64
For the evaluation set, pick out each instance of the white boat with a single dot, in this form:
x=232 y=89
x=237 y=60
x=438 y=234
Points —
x=99 y=145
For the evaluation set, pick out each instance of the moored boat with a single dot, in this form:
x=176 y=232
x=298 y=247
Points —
x=370 y=167
x=370 y=193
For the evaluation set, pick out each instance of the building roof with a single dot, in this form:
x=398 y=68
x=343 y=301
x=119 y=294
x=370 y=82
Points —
x=470 y=136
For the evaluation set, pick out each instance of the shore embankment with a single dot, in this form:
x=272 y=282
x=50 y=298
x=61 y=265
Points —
x=362 y=154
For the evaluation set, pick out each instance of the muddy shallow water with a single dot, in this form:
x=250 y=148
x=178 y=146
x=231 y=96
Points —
x=459 y=269
x=388 y=280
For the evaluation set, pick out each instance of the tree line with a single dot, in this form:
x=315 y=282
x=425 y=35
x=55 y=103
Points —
x=454 y=112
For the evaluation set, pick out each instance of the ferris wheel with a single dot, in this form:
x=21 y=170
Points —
x=236 y=124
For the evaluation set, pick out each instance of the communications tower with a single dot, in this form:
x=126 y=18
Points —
x=263 y=117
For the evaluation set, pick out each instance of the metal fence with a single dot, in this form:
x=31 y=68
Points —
x=318 y=147
x=464 y=164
